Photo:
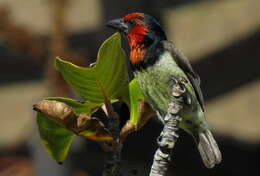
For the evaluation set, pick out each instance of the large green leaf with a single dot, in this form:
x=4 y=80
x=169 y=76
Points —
x=108 y=79
x=103 y=81
x=56 y=140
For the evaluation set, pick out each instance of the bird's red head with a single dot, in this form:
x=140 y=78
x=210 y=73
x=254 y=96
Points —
x=137 y=28
x=141 y=31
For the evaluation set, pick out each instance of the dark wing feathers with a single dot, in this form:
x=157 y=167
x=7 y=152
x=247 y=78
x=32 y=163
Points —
x=185 y=65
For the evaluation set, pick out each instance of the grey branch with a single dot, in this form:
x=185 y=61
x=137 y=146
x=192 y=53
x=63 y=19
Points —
x=169 y=135
x=113 y=158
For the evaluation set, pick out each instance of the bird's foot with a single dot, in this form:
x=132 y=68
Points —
x=178 y=86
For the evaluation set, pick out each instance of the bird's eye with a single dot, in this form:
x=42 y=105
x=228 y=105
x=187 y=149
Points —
x=131 y=22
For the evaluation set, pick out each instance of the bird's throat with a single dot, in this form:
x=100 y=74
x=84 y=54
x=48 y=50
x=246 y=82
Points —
x=144 y=55
x=137 y=54
x=137 y=46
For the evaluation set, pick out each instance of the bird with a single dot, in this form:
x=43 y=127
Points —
x=157 y=63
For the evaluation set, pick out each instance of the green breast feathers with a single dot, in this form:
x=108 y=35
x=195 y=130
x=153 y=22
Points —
x=155 y=82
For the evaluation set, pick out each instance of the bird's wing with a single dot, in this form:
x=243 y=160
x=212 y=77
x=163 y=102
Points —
x=185 y=65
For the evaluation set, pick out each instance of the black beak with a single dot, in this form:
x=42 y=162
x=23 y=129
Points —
x=118 y=24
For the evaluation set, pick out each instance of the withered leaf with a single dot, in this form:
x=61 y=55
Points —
x=82 y=125
x=146 y=112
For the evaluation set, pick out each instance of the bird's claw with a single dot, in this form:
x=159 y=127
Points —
x=178 y=86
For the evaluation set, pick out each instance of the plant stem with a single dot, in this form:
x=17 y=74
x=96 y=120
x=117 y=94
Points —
x=113 y=157
x=113 y=160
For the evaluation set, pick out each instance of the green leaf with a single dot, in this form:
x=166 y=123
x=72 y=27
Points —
x=105 y=80
x=132 y=98
x=56 y=140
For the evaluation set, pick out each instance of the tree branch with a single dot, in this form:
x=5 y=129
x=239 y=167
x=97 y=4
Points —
x=169 y=135
x=166 y=142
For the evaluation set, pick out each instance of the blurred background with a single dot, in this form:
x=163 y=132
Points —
x=220 y=37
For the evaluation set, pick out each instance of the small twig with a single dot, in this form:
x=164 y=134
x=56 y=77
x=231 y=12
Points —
x=169 y=135
x=113 y=158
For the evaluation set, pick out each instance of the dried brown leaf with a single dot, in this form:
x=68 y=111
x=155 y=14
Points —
x=82 y=125
x=146 y=112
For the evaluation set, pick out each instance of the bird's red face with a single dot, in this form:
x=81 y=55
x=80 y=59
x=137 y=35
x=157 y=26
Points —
x=137 y=28
x=140 y=30
x=135 y=35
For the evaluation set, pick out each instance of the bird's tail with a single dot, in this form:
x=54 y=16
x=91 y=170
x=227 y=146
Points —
x=208 y=149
